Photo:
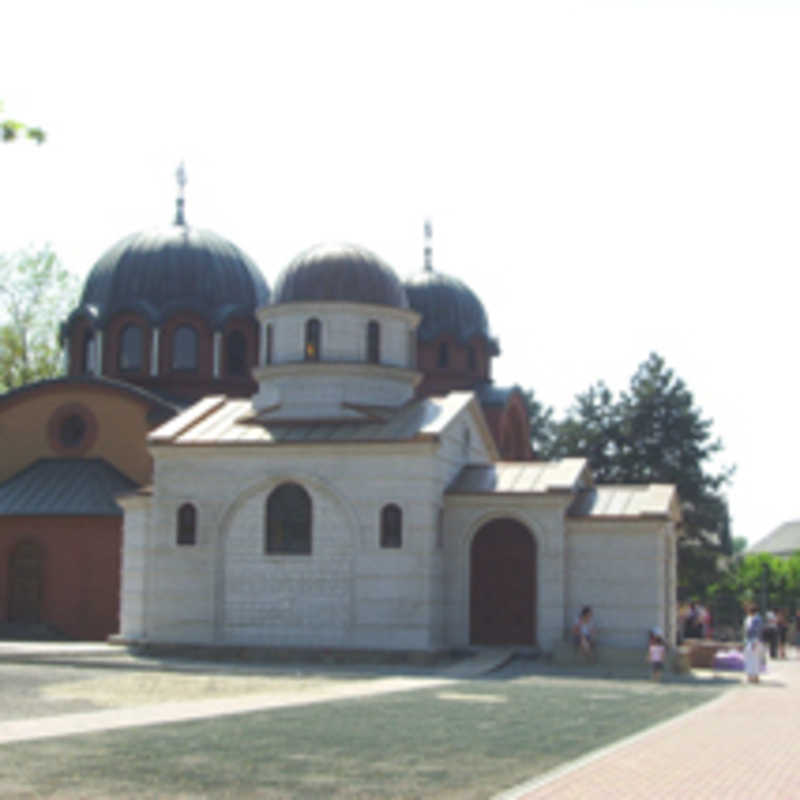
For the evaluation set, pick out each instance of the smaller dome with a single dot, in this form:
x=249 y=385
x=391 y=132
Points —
x=448 y=306
x=339 y=272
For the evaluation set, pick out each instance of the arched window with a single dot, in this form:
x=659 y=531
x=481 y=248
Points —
x=373 y=342
x=391 y=526
x=236 y=353
x=87 y=346
x=268 y=345
x=187 y=524
x=184 y=348
x=131 y=349
x=312 y=351
x=443 y=355
x=288 y=521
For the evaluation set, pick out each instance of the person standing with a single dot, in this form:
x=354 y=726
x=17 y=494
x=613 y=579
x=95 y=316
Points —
x=753 y=628
x=656 y=653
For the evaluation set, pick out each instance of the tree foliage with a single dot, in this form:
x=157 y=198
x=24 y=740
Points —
x=36 y=292
x=747 y=575
x=12 y=129
x=650 y=433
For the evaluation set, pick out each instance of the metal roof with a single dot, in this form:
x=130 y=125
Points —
x=614 y=501
x=65 y=487
x=520 y=477
x=784 y=540
x=221 y=420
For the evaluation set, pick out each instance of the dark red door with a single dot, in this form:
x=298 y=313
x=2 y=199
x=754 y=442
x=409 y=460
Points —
x=25 y=584
x=503 y=584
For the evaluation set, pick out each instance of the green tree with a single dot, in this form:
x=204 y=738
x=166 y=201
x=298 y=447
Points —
x=540 y=422
x=654 y=433
x=12 y=129
x=36 y=292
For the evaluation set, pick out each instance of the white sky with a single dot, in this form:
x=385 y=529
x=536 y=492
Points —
x=611 y=178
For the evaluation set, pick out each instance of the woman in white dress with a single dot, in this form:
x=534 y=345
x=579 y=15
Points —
x=753 y=626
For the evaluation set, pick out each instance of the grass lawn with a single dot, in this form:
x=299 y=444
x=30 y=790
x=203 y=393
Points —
x=468 y=739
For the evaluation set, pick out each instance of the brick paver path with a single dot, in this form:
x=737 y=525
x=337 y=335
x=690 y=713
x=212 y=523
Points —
x=745 y=744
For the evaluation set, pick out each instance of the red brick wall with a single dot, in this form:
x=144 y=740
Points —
x=80 y=571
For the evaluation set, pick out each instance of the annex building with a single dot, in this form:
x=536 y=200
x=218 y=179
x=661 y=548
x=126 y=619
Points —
x=328 y=464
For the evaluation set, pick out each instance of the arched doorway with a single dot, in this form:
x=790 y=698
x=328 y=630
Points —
x=25 y=583
x=502 y=605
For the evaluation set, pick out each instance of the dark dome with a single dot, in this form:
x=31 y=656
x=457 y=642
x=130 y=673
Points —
x=177 y=268
x=342 y=272
x=447 y=306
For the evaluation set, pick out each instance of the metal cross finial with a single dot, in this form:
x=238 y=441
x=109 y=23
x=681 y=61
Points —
x=180 y=176
x=428 y=246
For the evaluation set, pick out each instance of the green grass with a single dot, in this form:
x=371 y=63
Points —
x=471 y=739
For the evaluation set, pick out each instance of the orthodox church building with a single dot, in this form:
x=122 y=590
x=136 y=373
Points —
x=325 y=465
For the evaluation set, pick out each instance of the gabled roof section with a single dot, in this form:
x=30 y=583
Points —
x=522 y=477
x=158 y=406
x=655 y=500
x=224 y=421
x=65 y=487
x=783 y=541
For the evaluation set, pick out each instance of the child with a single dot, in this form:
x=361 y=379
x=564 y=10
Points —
x=656 y=652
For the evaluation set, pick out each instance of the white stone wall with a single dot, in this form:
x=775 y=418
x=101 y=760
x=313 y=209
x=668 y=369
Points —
x=348 y=593
x=621 y=569
x=134 y=565
x=343 y=331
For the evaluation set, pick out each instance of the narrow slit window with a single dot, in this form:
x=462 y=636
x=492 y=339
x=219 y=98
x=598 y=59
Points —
x=312 y=348
x=391 y=527
x=373 y=342
x=187 y=525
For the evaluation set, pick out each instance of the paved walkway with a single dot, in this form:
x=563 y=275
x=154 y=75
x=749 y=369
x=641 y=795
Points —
x=744 y=744
x=479 y=664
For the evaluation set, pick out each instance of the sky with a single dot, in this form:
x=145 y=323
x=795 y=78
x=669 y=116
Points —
x=610 y=178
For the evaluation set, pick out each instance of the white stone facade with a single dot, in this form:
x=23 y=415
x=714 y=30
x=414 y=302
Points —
x=349 y=592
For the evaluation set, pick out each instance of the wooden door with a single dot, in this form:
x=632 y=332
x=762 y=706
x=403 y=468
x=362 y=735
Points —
x=503 y=584
x=25 y=583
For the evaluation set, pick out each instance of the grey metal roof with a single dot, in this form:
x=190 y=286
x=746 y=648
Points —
x=161 y=271
x=65 y=487
x=220 y=420
x=612 y=501
x=520 y=477
x=784 y=540
x=340 y=272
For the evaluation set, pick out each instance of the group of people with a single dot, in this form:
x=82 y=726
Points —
x=762 y=634
x=583 y=636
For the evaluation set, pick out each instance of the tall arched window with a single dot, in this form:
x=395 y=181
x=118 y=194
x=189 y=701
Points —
x=373 y=342
x=443 y=355
x=312 y=349
x=236 y=353
x=184 y=348
x=187 y=524
x=288 y=522
x=391 y=526
x=131 y=349
x=472 y=359
x=87 y=346
x=268 y=345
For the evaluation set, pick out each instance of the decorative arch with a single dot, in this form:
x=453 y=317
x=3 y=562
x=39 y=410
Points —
x=503 y=583
x=312 y=484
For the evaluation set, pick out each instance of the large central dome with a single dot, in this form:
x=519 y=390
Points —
x=340 y=272
x=160 y=271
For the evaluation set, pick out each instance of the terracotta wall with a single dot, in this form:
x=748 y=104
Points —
x=121 y=428
x=80 y=572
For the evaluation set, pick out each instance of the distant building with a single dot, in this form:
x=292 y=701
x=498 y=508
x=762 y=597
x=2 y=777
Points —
x=326 y=466
x=783 y=541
